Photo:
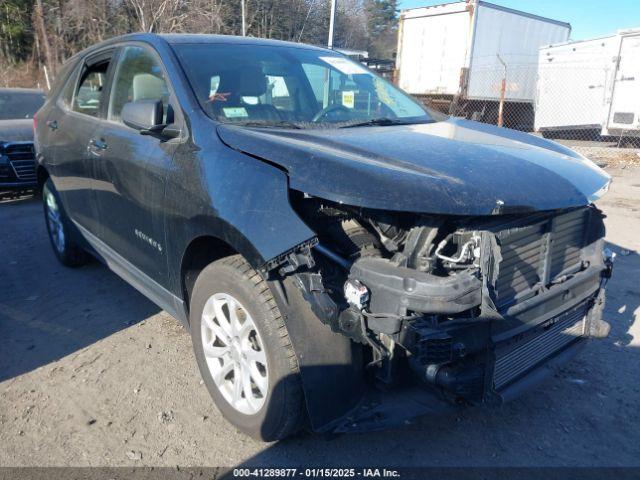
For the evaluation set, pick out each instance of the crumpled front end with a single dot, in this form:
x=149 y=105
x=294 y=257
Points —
x=473 y=309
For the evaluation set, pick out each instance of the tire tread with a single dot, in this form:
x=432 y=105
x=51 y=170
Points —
x=294 y=412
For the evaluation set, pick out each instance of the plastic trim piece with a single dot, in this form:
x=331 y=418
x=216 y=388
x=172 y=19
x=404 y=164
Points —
x=395 y=290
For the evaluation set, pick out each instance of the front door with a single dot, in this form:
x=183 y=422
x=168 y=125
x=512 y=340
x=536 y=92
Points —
x=130 y=175
x=625 y=104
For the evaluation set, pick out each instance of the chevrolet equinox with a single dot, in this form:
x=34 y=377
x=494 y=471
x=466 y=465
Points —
x=343 y=257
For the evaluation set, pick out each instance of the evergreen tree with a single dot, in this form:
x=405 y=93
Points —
x=16 y=31
x=382 y=22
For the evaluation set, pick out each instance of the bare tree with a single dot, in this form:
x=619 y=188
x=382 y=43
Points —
x=49 y=31
x=159 y=15
x=43 y=36
x=207 y=16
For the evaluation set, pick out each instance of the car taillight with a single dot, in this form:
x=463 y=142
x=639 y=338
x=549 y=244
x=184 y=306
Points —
x=35 y=122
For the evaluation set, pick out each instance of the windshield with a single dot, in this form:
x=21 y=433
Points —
x=291 y=87
x=17 y=105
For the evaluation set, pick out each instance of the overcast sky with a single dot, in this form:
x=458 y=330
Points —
x=588 y=18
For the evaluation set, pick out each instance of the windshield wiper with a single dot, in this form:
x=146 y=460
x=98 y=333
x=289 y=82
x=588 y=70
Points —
x=384 y=121
x=268 y=123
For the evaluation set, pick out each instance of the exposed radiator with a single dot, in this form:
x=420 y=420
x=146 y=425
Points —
x=536 y=254
x=517 y=359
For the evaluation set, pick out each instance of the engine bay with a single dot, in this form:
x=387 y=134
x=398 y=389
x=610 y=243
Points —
x=437 y=294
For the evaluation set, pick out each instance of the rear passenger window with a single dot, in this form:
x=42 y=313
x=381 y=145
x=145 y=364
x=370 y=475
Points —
x=88 y=96
x=66 y=96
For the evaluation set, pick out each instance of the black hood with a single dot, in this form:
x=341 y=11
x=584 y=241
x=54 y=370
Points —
x=452 y=167
x=16 y=131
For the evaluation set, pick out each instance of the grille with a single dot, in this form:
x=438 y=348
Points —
x=22 y=159
x=623 y=117
x=536 y=254
x=514 y=361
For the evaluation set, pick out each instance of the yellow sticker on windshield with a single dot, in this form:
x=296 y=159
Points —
x=235 y=112
x=349 y=99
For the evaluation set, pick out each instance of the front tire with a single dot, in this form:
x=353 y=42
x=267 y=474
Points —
x=243 y=351
x=60 y=229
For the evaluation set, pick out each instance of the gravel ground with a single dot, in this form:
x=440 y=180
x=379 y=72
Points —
x=611 y=157
x=91 y=373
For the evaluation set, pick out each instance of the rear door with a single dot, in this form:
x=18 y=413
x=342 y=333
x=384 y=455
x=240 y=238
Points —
x=71 y=126
x=131 y=171
x=48 y=137
x=625 y=103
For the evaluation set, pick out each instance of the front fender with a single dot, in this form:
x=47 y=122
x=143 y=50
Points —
x=233 y=197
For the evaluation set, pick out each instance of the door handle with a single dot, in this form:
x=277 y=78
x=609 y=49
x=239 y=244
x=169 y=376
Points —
x=96 y=146
x=52 y=124
x=98 y=143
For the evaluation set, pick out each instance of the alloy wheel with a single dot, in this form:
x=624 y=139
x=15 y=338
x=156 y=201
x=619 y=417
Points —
x=234 y=353
x=54 y=219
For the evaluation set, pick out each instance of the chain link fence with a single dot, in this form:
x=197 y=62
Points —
x=582 y=102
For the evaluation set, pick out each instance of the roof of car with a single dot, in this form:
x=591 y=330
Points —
x=21 y=90
x=184 y=38
x=179 y=38
x=187 y=38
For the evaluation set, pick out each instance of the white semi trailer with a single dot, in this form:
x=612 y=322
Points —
x=456 y=56
x=590 y=85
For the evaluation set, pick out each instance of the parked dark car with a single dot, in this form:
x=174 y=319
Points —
x=343 y=257
x=17 y=159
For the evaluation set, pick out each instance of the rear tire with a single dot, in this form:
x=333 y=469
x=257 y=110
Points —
x=269 y=404
x=60 y=229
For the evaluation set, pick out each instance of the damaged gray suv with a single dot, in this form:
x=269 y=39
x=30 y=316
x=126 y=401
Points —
x=343 y=257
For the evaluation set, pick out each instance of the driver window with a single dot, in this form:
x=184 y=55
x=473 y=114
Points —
x=138 y=77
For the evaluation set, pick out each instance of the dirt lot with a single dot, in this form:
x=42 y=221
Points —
x=91 y=373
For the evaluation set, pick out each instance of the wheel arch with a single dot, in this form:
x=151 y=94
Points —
x=200 y=252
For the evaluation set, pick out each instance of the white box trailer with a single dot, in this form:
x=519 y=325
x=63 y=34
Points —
x=590 y=85
x=453 y=54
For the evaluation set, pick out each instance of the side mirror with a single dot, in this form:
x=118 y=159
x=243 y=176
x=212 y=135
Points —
x=143 y=115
